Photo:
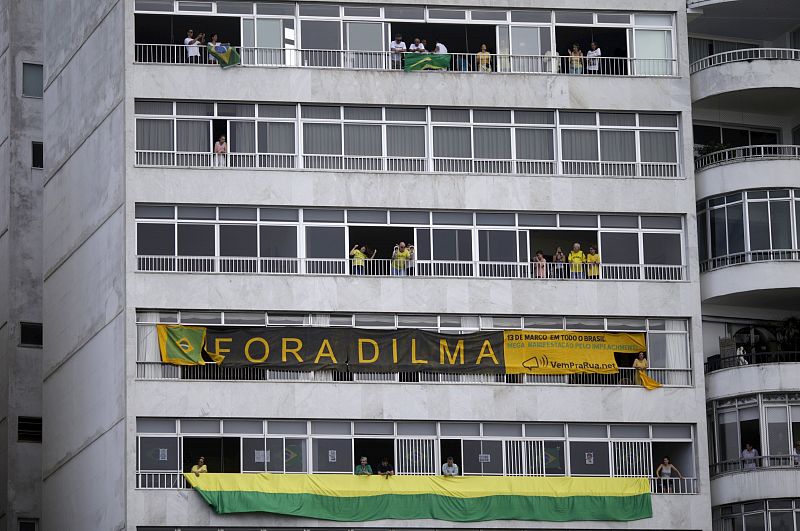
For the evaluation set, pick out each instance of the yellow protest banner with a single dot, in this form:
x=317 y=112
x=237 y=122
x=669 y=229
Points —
x=567 y=351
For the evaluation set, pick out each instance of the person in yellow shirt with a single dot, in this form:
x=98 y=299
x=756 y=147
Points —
x=358 y=255
x=577 y=260
x=200 y=467
x=593 y=270
x=400 y=257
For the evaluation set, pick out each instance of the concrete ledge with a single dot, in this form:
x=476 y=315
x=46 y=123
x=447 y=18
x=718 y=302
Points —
x=746 y=175
x=753 y=379
x=745 y=75
x=757 y=484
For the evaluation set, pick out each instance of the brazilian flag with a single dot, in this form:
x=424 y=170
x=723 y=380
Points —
x=426 y=61
x=181 y=345
x=225 y=54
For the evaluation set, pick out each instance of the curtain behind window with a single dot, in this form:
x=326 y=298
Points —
x=243 y=137
x=194 y=135
x=155 y=135
x=362 y=140
x=492 y=143
x=275 y=137
x=454 y=142
x=658 y=146
x=535 y=144
x=322 y=139
x=405 y=141
x=579 y=145
x=618 y=146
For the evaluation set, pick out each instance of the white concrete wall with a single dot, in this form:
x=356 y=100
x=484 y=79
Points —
x=740 y=279
x=765 y=378
x=755 y=485
x=744 y=75
x=84 y=461
x=747 y=175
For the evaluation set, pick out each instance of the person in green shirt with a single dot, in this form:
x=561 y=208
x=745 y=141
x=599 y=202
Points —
x=363 y=468
x=577 y=260
x=400 y=257
x=358 y=255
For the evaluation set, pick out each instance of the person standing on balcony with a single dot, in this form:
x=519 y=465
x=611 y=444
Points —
x=559 y=264
x=593 y=259
x=641 y=365
x=796 y=453
x=449 y=468
x=593 y=59
x=385 y=469
x=363 y=468
x=398 y=48
x=200 y=467
x=483 y=59
x=193 y=46
x=221 y=151
x=400 y=256
x=214 y=42
x=665 y=471
x=749 y=457
x=577 y=260
x=540 y=265
x=359 y=258
x=575 y=59
x=417 y=46
x=440 y=48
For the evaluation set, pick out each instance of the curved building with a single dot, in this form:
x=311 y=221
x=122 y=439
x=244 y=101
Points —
x=745 y=72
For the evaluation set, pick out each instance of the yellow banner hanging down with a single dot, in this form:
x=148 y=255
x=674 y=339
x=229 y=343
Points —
x=567 y=351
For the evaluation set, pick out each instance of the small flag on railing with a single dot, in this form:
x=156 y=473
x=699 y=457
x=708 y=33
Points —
x=225 y=54
x=426 y=61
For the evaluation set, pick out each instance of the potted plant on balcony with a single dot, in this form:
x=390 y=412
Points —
x=788 y=333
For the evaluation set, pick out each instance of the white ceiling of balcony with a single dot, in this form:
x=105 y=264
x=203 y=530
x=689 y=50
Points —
x=762 y=20
x=774 y=299
x=768 y=101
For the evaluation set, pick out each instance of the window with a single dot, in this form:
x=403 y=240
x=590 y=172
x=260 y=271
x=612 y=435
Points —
x=29 y=429
x=30 y=334
x=37 y=155
x=28 y=524
x=32 y=80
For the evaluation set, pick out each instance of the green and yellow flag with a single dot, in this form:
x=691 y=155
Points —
x=426 y=61
x=181 y=345
x=225 y=54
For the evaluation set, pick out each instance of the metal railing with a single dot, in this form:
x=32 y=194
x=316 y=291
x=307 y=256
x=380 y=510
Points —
x=155 y=370
x=750 y=257
x=747 y=153
x=151 y=158
x=411 y=268
x=762 y=462
x=716 y=363
x=747 y=54
x=177 y=54
x=176 y=481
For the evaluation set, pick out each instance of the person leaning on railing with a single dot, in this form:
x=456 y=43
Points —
x=641 y=365
x=593 y=261
x=577 y=260
x=483 y=60
x=796 y=453
x=359 y=258
x=664 y=473
x=200 y=467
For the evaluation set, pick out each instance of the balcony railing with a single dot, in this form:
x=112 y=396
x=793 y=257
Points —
x=176 y=480
x=155 y=370
x=747 y=153
x=667 y=170
x=763 y=462
x=176 y=54
x=747 y=54
x=716 y=363
x=411 y=268
x=750 y=257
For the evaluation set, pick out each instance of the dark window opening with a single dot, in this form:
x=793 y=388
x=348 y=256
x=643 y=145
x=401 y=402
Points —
x=37 y=155
x=28 y=524
x=29 y=429
x=380 y=240
x=451 y=448
x=374 y=450
x=30 y=334
x=613 y=43
x=171 y=29
x=222 y=454
x=458 y=38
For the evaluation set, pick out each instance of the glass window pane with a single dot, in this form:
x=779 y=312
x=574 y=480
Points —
x=197 y=212
x=719 y=234
x=778 y=431
x=144 y=211
x=494 y=218
x=589 y=458
x=450 y=115
x=366 y=216
x=155 y=425
x=405 y=114
x=617 y=118
x=619 y=248
x=544 y=430
x=194 y=108
x=238 y=240
x=452 y=218
x=497 y=246
x=295 y=456
x=649 y=19
x=195 y=240
x=574 y=17
x=362 y=140
x=449 y=244
x=735 y=228
x=409 y=13
x=491 y=116
x=325 y=242
x=781 y=521
x=661 y=222
x=454 y=142
x=759 y=226
x=276 y=137
x=323 y=214
x=330 y=427
x=155 y=239
x=363 y=113
x=277 y=111
x=754 y=522
x=619 y=222
x=577 y=220
x=502 y=429
x=374 y=428
x=276 y=455
x=288 y=427
x=537 y=220
x=322 y=139
x=279 y=214
x=416 y=428
x=588 y=430
x=405 y=141
x=658 y=146
x=194 y=136
x=319 y=10
x=535 y=144
x=275 y=9
x=488 y=15
x=321 y=35
x=332 y=455
x=410 y=217
x=154 y=135
x=670 y=120
x=519 y=15
x=253 y=455
x=662 y=249
x=460 y=428
x=32 y=80
x=236 y=109
x=781 y=225
x=450 y=14
x=158 y=453
x=577 y=118
x=579 y=145
x=238 y=213
x=618 y=146
x=492 y=143
x=534 y=117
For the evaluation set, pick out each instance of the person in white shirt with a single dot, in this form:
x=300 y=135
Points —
x=440 y=47
x=593 y=59
x=417 y=46
x=193 y=46
x=449 y=468
x=398 y=48
x=796 y=453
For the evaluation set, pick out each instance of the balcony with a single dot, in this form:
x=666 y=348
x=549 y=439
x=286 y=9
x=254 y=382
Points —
x=750 y=257
x=747 y=154
x=761 y=463
x=461 y=63
x=155 y=370
x=746 y=55
x=415 y=268
x=716 y=363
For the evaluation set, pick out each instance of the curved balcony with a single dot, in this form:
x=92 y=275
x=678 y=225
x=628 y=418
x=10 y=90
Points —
x=751 y=373
x=748 y=69
x=762 y=279
x=770 y=477
x=747 y=154
x=716 y=363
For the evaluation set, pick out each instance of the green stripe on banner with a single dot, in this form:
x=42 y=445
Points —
x=349 y=498
x=434 y=506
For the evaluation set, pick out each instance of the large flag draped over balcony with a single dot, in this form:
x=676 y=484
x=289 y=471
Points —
x=410 y=350
x=349 y=498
